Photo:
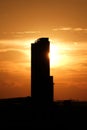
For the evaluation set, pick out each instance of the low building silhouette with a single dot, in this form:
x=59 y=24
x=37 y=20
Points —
x=41 y=81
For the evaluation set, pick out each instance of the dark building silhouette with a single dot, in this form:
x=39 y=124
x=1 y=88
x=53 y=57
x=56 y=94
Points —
x=41 y=81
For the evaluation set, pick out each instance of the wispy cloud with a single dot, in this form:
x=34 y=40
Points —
x=28 y=32
x=13 y=56
x=18 y=34
x=14 y=84
x=14 y=44
x=21 y=32
x=62 y=29
x=78 y=29
x=70 y=29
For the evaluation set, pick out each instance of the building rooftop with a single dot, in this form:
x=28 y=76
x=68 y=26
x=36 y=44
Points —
x=42 y=40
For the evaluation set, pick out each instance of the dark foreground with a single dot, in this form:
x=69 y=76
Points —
x=64 y=114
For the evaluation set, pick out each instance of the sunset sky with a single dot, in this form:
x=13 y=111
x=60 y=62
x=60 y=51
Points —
x=64 y=22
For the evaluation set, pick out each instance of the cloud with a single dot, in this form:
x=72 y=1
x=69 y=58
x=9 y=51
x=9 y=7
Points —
x=11 y=42
x=71 y=92
x=84 y=64
x=13 y=56
x=14 y=44
x=7 y=45
x=18 y=34
x=70 y=29
x=70 y=34
x=70 y=83
x=62 y=29
x=78 y=52
x=78 y=29
x=27 y=32
x=14 y=84
x=21 y=32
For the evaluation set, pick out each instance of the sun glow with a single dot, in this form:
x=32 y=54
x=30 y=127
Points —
x=58 y=55
x=54 y=55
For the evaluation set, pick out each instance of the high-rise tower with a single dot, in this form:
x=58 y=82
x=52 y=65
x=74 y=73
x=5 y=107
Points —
x=41 y=81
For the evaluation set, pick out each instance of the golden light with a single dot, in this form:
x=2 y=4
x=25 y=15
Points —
x=59 y=55
x=54 y=55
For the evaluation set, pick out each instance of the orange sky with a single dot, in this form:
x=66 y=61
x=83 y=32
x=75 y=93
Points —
x=65 y=23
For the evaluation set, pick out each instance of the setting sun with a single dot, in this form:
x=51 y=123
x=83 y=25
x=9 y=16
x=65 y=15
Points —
x=54 y=55
x=58 y=55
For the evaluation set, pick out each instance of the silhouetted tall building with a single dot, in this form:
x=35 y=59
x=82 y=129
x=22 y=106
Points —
x=41 y=81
